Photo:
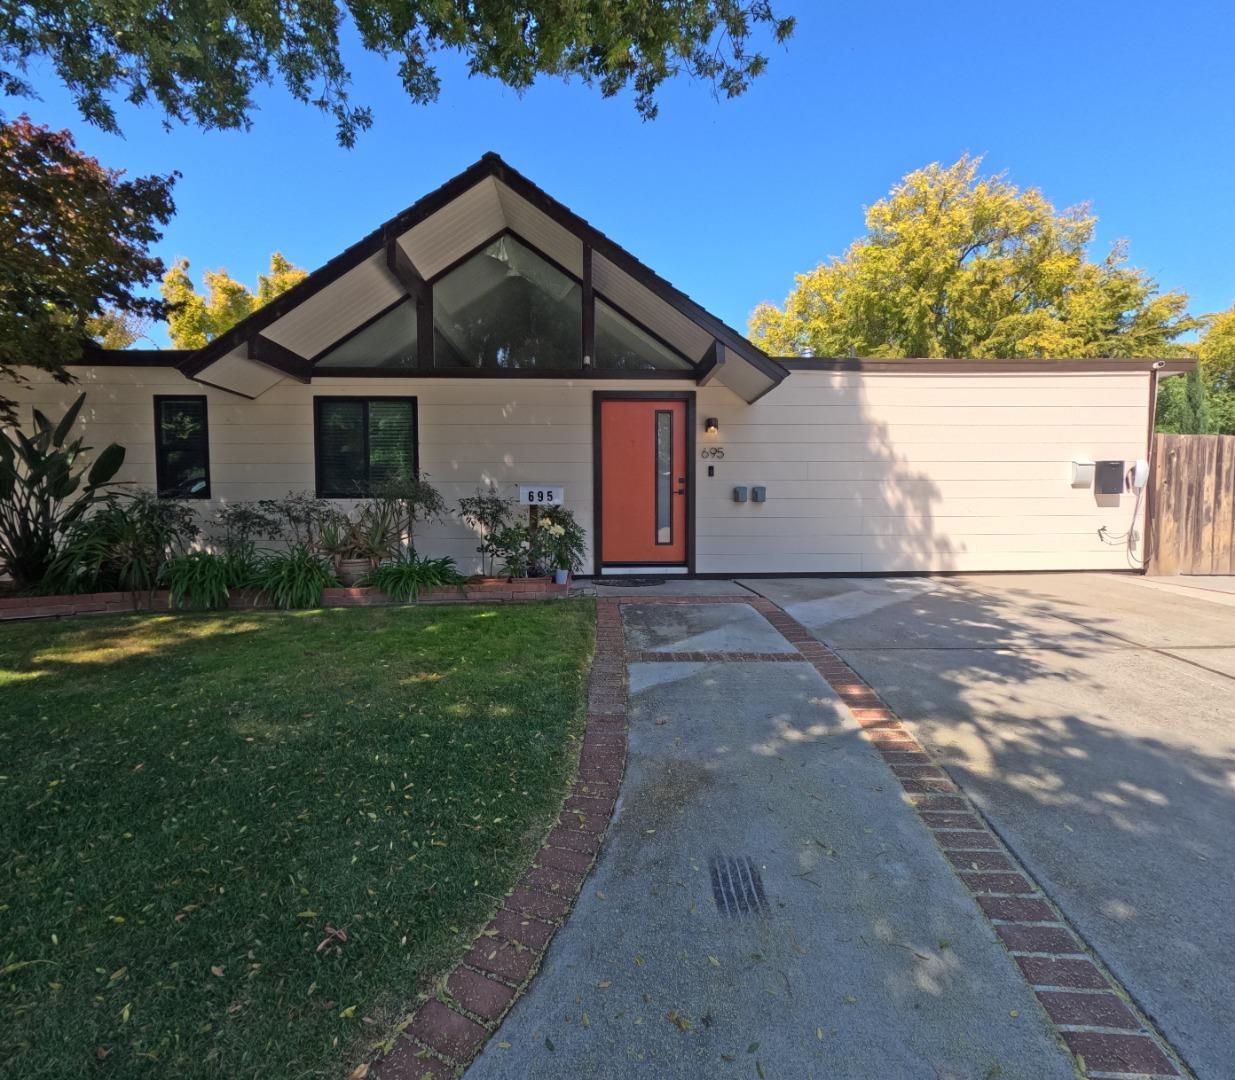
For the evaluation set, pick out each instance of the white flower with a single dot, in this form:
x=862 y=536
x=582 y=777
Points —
x=557 y=530
x=526 y=545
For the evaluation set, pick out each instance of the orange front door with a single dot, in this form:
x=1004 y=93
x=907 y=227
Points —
x=643 y=482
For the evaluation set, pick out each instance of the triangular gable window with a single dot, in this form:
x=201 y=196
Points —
x=623 y=346
x=507 y=308
x=389 y=342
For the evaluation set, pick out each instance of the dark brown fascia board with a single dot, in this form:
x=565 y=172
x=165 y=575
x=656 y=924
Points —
x=280 y=357
x=490 y=165
x=986 y=367
x=338 y=266
x=96 y=356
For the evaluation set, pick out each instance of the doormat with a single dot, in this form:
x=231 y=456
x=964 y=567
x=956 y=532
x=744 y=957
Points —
x=623 y=581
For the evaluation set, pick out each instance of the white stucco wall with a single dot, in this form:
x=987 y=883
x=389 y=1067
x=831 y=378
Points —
x=865 y=472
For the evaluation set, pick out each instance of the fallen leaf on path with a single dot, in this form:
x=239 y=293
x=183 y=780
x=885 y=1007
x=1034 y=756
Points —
x=682 y=1023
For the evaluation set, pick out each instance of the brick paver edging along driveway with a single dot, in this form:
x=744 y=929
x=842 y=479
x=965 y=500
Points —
x=1092 y=1013
x=446 y=1031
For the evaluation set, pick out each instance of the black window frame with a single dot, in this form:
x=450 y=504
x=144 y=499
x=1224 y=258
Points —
x=160 y=465
x=326 y=399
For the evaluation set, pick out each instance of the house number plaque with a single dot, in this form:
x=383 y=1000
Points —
x=542 y=495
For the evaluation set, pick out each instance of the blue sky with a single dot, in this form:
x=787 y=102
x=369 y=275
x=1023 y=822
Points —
x=1129 y=106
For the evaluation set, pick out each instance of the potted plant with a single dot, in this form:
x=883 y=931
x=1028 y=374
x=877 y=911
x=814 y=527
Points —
x=560 y=537
x=357 y=545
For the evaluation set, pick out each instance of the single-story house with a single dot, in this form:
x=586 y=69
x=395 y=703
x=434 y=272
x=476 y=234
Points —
x=488 y=336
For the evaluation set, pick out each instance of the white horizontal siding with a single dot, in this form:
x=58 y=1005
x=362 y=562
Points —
x=901 y=472
x=865 y=473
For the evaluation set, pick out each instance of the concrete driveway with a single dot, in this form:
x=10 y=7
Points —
x=1092 y=718
x=767 y=903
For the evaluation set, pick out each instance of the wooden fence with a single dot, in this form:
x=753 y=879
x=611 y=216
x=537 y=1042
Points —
x=1191 y=511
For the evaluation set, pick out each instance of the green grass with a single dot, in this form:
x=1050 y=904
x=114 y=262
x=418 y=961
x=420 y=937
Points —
x=188 y=801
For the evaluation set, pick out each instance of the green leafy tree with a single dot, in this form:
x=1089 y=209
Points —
x=76 y=240
x=1183 y=405
x=1216 y=349
x=194 y=318
x=956 y=264
x=201 y=61
x=117 y=329
x=283 y=275
x=1204 y=402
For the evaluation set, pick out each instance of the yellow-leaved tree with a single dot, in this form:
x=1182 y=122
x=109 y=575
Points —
x=956 y=264
x=195 y=319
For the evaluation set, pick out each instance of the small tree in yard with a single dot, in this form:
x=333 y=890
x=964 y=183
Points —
x=487 y=514
x=76 y=240
x=411 y=500
x=42 y=494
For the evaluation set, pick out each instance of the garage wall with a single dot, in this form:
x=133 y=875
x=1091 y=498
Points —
x=865 y=472
x=895 y=472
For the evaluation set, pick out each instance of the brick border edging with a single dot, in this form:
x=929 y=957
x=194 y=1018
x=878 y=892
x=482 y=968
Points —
x=1092 y=1013
x=447 y=1030
x=119 y=603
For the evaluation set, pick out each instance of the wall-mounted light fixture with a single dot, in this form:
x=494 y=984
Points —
x=711 y=425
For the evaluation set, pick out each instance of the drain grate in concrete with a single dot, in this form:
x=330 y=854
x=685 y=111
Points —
x=737 y=887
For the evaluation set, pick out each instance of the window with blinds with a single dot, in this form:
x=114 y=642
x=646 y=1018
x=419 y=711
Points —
x=363 y=444
x=181 y=447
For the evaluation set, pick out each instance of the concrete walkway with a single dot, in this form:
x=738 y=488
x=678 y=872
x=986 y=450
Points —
x=765 y=904
x=1092 y=718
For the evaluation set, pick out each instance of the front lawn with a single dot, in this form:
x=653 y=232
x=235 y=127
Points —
x=237 y=845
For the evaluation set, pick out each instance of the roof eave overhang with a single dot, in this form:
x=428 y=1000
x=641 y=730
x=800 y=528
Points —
x=747 y=371
x=917 y=365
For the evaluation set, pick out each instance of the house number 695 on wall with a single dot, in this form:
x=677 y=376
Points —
x=542 y=495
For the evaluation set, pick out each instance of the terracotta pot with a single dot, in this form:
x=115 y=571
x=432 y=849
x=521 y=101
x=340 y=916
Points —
x=351 y=571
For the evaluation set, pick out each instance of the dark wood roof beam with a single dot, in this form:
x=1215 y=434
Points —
x=280 y=357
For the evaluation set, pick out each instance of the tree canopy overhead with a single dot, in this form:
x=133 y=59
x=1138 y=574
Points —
x=956 y=264
x=195 y=319
x=75 y=239
x=200 y=61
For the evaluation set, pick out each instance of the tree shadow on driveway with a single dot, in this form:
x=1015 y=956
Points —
x=1108 y=767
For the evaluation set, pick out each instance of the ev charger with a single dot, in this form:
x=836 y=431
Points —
x=1140 y=474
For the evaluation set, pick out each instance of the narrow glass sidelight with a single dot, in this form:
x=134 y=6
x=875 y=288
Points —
x=664 y=478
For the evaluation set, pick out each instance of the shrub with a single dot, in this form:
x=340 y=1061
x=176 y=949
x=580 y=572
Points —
x=204 y=579
x=237 y=526
x=374 y=534
x=299 y=517
x=294 y=578
x=487 y=514
x=519 y=549
x=403 y=578
x=561 y=537
x=122 y=545
x=409 y=501
x=42 y=494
